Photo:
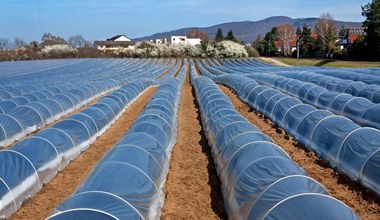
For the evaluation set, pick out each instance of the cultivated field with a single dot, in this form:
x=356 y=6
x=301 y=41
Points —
x=188 y=139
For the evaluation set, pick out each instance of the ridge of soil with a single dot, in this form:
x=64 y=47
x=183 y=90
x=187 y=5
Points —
x=192 y=189
x=179 y=69
x=359 y=199
x=66 y=182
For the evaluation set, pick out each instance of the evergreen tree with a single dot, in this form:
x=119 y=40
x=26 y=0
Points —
x=231 y=36
x=298 y=32
x=306 y=41
x=269 y=42
x=259 y=44
x=219 y=35
x=372 y=28
x=342 y=33
x=358 y=49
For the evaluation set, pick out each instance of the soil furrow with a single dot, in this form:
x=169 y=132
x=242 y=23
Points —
x=192 y=189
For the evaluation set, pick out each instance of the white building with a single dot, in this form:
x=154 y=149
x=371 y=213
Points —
x=194 y=41
x=178 y=39
x=114 y=43
x=160 y=41
x=184 y=40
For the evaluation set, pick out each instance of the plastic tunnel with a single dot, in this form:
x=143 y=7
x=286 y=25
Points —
x=48 y=97
x=342 y=143
x=259 y=180
x=127 y=182
x=37 y=159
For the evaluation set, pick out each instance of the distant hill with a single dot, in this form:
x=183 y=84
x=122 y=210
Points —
x=248 y=30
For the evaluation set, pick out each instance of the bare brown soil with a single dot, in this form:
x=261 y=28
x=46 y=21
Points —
x=360 y=200
x=65 y=183
x=179 y=69
x=192 y=189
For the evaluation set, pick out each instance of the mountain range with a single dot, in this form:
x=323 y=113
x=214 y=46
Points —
x=248 y=30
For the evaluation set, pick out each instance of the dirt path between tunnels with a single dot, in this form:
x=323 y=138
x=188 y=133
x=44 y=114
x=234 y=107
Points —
x=192 y=189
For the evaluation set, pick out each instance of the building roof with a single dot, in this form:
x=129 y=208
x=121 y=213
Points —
x=356 y=30
x=353 y=37
x=116 y=37
x=113 y=43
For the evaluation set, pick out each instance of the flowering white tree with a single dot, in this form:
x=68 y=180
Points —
x=125 y=52
x=210 y=51
x=58 y=50
x=196 y=51
x=224 y=49
x=163 y=50
x=230 y=49
x=140 y=53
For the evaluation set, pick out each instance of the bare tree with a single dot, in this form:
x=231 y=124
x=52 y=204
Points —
x=48 y=40
x=34 y=44
x=18 y=43
x=4 y=43
x=77 y=41
x=285 y=34
x=195 y=33
x=327 y=32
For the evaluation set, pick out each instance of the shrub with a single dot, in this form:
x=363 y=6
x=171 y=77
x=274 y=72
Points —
x=252 y=52
x=58 y=51
x=224 y=49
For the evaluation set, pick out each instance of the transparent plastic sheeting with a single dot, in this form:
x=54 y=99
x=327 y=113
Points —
x=370 y=76
x=34 y=161
x=204 y=71
x=174 y=69
x=127 y=182
x=334 y=84
x=15 y=120
x=366 y=75
x=19 y=78
x=357 y=106
x=259 y=180
x=346 y=146
x=360 y=82
x=359 y=109
x=48 y=102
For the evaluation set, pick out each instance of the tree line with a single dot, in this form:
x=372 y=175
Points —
x=322 y=40
x=77 y=46
x=50 y=46
x=280 y=40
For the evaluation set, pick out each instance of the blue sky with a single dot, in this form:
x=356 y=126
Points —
x=100 y=19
